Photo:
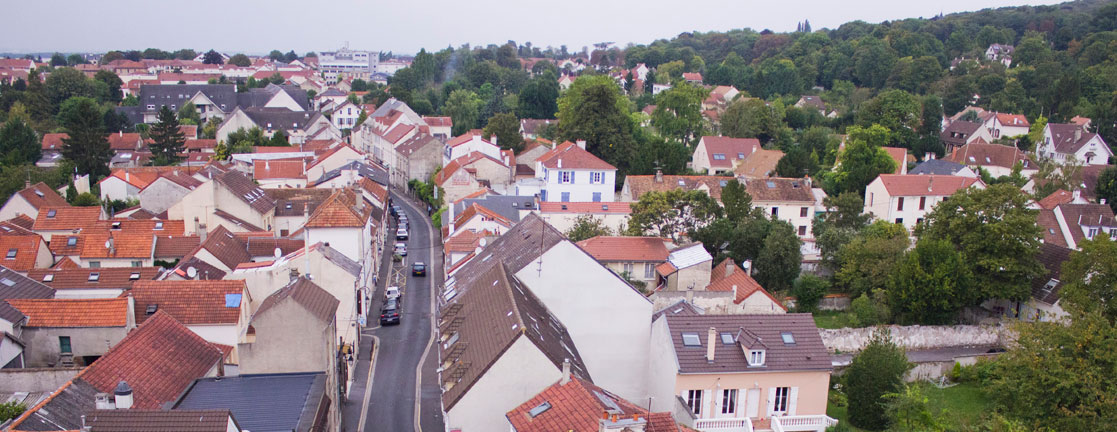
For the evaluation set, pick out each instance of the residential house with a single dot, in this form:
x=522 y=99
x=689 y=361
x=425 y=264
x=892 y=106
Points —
x=715 y=154
x=115 y=420
x=530 y=128
x=1063 y=141
x=499 y=346
x=217 y=310
x=692 y=78
x=211 y=101
x=942 y=167
x=575 y=404
x=65 y=220
x=1000 y=53
x=906 y=199
x=332 y=159
x=344 y=115
x=471 y=142
x=87 y=283
x=635 y=258
x=565 y=81
x=720 y=97
x=15 y=286
x=299 y=402
x=811 y=102
x=477 y=218
x=962 y=132
x=330 y=97
x=294 y=206
x=23 y=249
x=998 y=160
x=439 y=126
x=126 y=183
x=299 y=126
x=1060 y=197
x=636 y=186
x=345 y=222
x=564 y=215
x=156 y=363
x=788 y=199
x=572 y=174
x=231 y=200
x=687 y=268
x=748 y=296
x=116 y=248
x=900 y=156
x=279 y=173
x=1008 y=125
x=351 y=173
x=742 y=371
x=29 y=200
x=470 y=172
x=1044 y=305
x=1076 y=223
x=532 y=151
x=166 y=190
x=62 y=332
x=418 y=157
x=761 y=164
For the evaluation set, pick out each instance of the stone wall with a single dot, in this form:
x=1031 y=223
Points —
x=35 y=379
x=835 y=302
x=915 y=337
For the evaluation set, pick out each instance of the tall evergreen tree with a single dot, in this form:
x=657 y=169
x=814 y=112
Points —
x=18 y=143
x=169 y=140
x=87 y=145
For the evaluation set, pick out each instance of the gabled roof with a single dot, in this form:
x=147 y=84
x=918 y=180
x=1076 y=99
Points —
x=760 y=164
x=806 y=352
x=925 y=185
x=134 y=420
x=638 y=185
x=16 y=286
x=434 y=121
x=985 y=154
x=624 y=248
x=305 y=293
x=278 y=169
x=80 y=278
x=460 y=163
x=477 y=209
x=265 y=402
x=1047 y=287
x=729 y=149
x=727 y=276
x=244 y=188
x=1058 y=197
x=491 y=315
x=519 y=246
x=21 y=221
x=577 y=406
x=175 y=246
x=959 y=131
x=1078 y=216
x=73 y=313
x=531 y=126
x=330 y=153
x=117 y=244
x=343 y=209
x=937 y=166
x=55 y=218
x=20 y=250
x=569 y=155
x=191 y=302
x=1012 y=119
x=779 y=189
x=688 y=255
x=1063 y=137
x=53 y=141
x=40 y=195
x=416 y=142
x=224 y=246
x=1052 y=232
x=293 y=201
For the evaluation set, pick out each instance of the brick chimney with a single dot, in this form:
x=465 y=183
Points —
x=711 y=338
x=729 y=267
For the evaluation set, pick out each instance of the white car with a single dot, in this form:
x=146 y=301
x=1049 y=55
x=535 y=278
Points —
x=391 y=293
x=401 y=249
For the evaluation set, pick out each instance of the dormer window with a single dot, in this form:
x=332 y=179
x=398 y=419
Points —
x=756 y=357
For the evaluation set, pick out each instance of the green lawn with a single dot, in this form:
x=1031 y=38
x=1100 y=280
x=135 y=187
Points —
x=964 y=405
x=832 y=319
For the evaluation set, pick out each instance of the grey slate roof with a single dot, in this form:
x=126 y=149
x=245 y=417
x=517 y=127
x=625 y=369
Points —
x=339 y=259
x=64 y=410
x=1052 y=257
x=291 y=202
x=508 y=206
x=266 y=402
x=158 y=420
x=958 y=132
x=517 y=248
x=936 y=167
x=259 y=97
x=245 y=189
x=310 y=296
x=180 y=94
x=279 y=118
x=371 y=172
x=16 y=286
x=806 y=353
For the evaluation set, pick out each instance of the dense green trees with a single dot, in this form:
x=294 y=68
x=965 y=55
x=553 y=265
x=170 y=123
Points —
x=464 y=109
x=672 y=214
x=862 y=161
x=593 y=109
x=167 y=138
x=678 y=112
x=506 y=128
x=586 y=226
x=876 y=371
x=87 y=146
x=539 y=97
x=19 y=143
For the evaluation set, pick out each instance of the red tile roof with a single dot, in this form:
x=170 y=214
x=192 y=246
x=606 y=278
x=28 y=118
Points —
x=477 y=209
x=278 y=169
x=569 y=155
x=39 y=195
x=125 y=141
x=199 y=144
x=26 y=248
x=692 y=76
x=900 y=156
x=640 y=184
x=110 y=312
x=22 y=221
x=1013 y=119
x=343 y=209
x=459 y=163
x=123 y=244
x=73 y=277
x=190 y=302
x=623 y=248
x=465 y=241
x=53 y=141
x=586 y=207
x=985 y=154
x=168 y=246
x=438 y=121
x=66 y=218
x=738 y=280
x=925 y=185
x=578 y=406
x=1060 y=196
x=465 y=137
x=731 y=149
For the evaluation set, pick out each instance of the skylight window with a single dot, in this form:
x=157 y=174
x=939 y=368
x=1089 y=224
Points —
x=232 y=300
x=770 y=184
x=94 y=277
x=134 y=276
x=159 y=225
x=7 y=282
x=788 y=338
x=48 y=277
x=116 y=225
x=39 y=193
x=51 y=213
x=539 y=409
x=719 y=156
x=691 y=339
x=727 y=338
x=71 y=241
x=12 y=253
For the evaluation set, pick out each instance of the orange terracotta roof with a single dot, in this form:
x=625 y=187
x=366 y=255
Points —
x=110 y=312
x=477 y=209
x=123 y=244
x=738 y=280
x=899 y=155
x=20 y=251
x=189 y=301
x=616 y=207
x=465 y=241
x=569 y=156
x=200 y=144
x=278 y=169
x=460 y=163
x=63 y=278
x=464 y=138
x=53 y=218
x=40 y=195
x=624 y=248
x=22 y=221
x=53 y=141
x=925 y=185
x=578 y=405
x=1060 y=196
x=343 y=209
x=65 y=263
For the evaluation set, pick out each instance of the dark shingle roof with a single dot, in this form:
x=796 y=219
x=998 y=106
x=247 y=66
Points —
x=507 y=206
x=16 y=286
x=958 y=132
x=245 y=189
x=806 y=353
x=313 y=298
x=518 y=247
x=779 y=189
x=291 y=202
x=178 y=94
x=280 y=118
x=269 y=402
x=1063 y=137
x=1052 y=256
x=158 y=420
x=936 y=167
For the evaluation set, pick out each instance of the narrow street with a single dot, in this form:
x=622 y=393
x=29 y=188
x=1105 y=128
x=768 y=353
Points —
x=401 y=348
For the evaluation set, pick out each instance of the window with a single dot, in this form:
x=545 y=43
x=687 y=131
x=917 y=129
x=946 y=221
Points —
x=94 y=276
x=137 y=263
x=116 y=225
x=48 y=277
x=775 y=211
x=94 y=264
x=12 y=253
x=150 y=106
x=802 y=230
x=597 y=177
x=159 y=225
x=134 y=276
x=788 y=338
x=719 y=156
x=566 y=197
x=691 y=339
x=900 y=204
x=919 y=221
x=727 y=338
x=51 y=213
x=694 y=401
x=803 y=212
x=922 y=202
x=1093 y=232
x=628 y=268
x=783 y=394
x=566 y=177
x=756 y=358
x=64 y=345
x=729 y=401
x=597 y=197
x=71 y=241
x=900 y=220
x=740 y=155
x=649 y=270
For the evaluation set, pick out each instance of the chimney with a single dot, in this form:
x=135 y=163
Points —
x=581 y=144
x=111 y=246
x=1077 y=134
x=120 y=133
x=711 y=338
x=690 y=295
x=123 y=396
x=560 y=163
x=1076 y=195
x=201 y=231
x=127 y=177
x=659 y=176
x=565 y=371
x=493 y=138
x=729 y=267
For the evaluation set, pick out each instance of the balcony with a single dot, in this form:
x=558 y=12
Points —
x=817 y=423
x=802 y=423
x=736 y=424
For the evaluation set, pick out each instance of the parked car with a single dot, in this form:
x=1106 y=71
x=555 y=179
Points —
x=401 y=249
x=391 y=292
x=389 y=314
x=419 y=269
x=395 y=210
x=402 y=219
x=401 y=234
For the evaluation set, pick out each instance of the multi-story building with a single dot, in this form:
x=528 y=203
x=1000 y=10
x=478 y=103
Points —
x=347 y=63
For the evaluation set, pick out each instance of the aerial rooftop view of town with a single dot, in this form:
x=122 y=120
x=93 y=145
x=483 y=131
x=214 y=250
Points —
x=894 y=220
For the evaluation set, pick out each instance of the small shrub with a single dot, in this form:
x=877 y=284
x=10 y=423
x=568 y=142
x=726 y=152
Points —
x=11 y=410
x=809 y=291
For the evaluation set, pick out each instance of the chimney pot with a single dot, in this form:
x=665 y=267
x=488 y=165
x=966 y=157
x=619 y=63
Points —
x=565 y=371
x=123 y=395
x=711 y=337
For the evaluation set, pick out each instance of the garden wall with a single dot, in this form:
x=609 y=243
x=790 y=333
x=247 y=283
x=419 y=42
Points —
x=846 y=340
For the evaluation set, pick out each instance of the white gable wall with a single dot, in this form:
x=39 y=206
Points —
x=517 y=376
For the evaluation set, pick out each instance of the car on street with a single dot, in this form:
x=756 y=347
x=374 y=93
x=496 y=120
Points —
x=395 y=210
x=419 y=269
x=391 y=293
x=401 y=249
x=389 y=314
x=401 y=234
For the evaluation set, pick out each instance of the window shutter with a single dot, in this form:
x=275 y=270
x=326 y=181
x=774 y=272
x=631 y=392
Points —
x=718 y=395
x=771 y=401
x=704 y=412
x=791 y=400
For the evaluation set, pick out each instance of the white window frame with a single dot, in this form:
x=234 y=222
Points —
x=729 y=401
x=694 y=401
x=566 y=177
x=756 y=357
x=628 y=268
x=649 y=270
x=597 y=177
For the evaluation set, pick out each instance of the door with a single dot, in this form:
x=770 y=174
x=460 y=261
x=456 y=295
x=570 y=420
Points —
x=752 y=404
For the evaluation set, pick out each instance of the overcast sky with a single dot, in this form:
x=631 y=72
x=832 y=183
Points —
x=403 y=26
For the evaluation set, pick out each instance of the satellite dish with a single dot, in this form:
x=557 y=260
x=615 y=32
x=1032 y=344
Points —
x=483 y=242
x=191 y=272
x=278 y=253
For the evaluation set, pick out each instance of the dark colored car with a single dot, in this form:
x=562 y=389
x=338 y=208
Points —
x=419 y=269
x=389 y=314
x=395 y=210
